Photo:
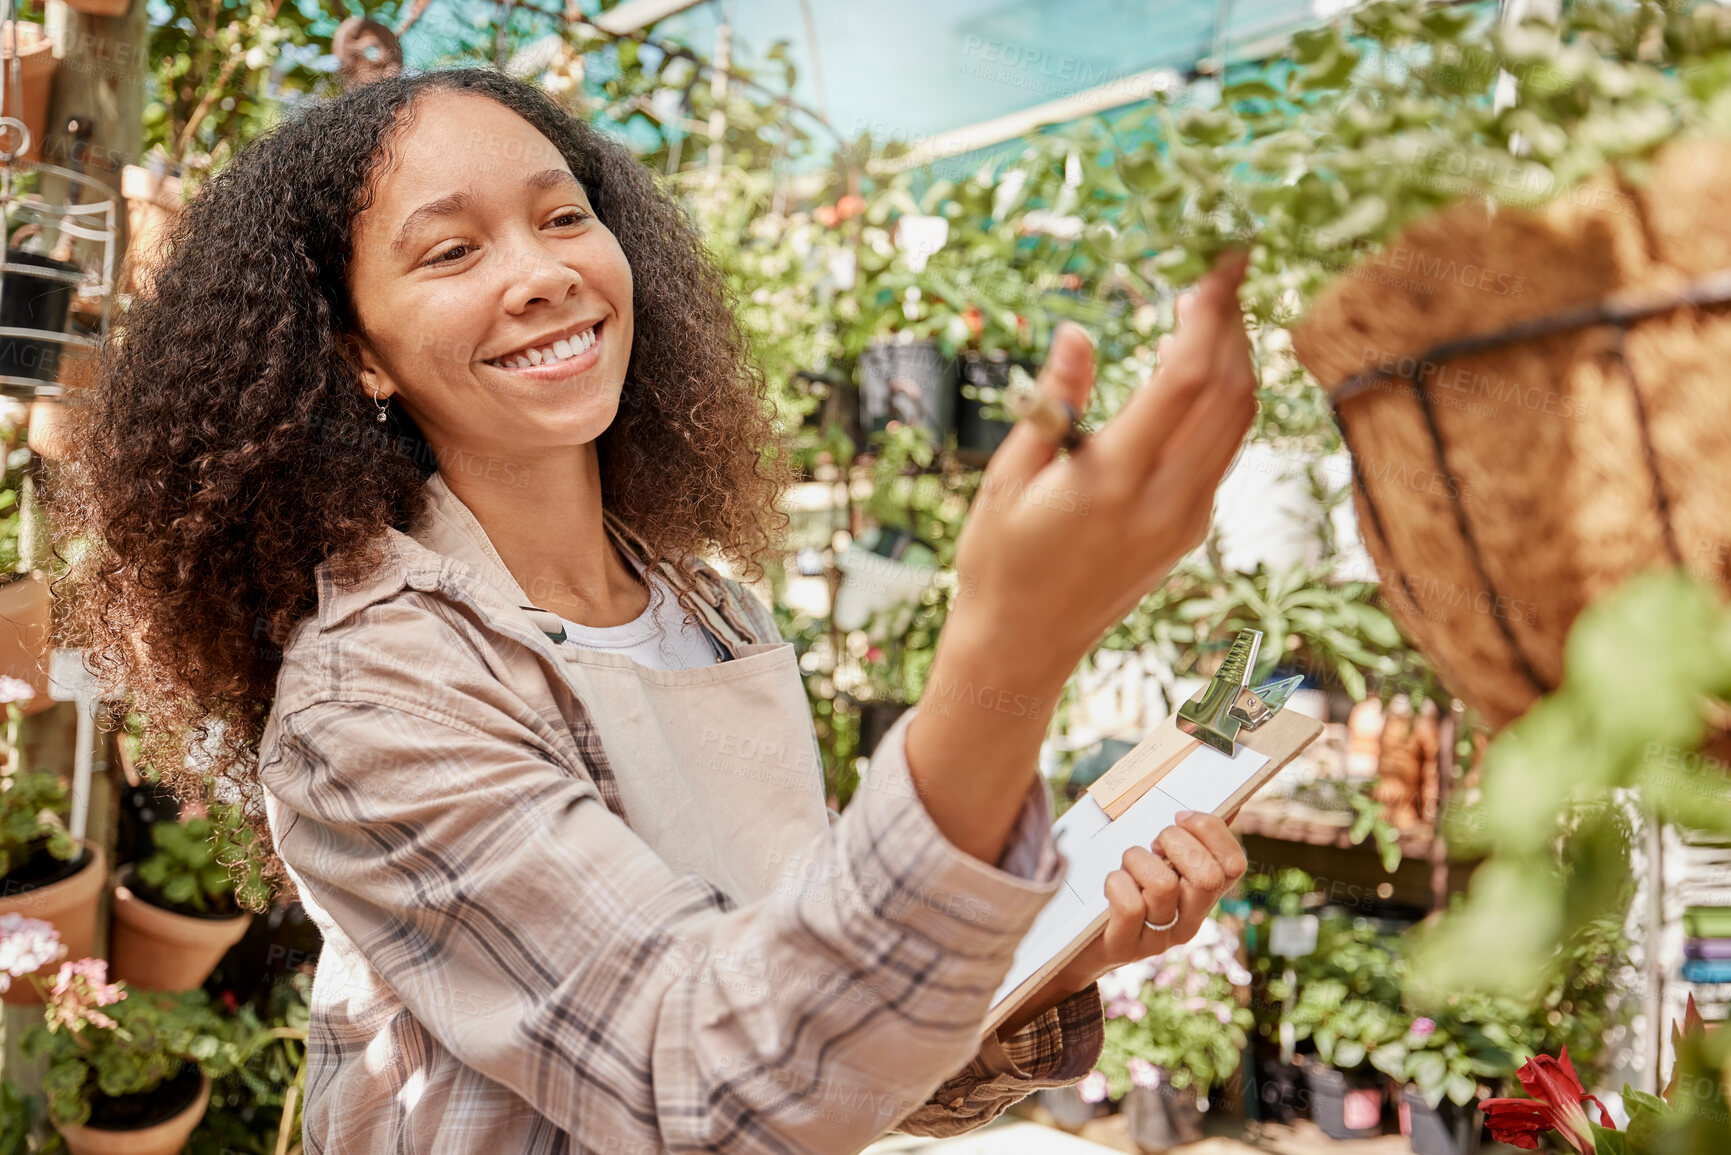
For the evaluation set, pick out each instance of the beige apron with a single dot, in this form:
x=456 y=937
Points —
x=717 y=766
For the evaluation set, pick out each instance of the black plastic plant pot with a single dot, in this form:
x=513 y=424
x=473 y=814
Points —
x=33 y=301
x=1446 y=1129
x=911 y=382
x=875 y=720
x=1280 y=1090
x=1344 y=1106
x=977 y=434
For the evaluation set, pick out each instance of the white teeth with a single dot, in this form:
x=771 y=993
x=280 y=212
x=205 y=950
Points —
x=557 y=351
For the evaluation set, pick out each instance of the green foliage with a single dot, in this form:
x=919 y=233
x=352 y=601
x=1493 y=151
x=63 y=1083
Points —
x=1181 y=1033
x=15 y=1120
x=1617 y=742
x=1345 y=996
x=1335 y=631
x=33 y=817
x=219 y=74
x=192 y=867
x=1371 y=820
x=1385 y=115
x=1697 y=1118
x=1358 y=999
x=247 y=1103
x=156 y=1033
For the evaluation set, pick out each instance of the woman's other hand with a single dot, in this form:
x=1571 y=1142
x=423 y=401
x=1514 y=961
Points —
x=1180 y=876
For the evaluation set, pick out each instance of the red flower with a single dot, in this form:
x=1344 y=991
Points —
x=1556 y=1105
x=975 y=321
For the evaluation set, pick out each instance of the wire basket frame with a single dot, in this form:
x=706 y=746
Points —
x=1620 y=311
x=90 y=220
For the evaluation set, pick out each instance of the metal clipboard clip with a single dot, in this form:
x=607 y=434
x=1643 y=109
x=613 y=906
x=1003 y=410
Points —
x=1227 y=704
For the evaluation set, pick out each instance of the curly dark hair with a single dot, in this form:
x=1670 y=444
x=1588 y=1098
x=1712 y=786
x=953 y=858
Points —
x=225 y=449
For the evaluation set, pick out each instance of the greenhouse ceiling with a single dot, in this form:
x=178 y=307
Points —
x=912 y=70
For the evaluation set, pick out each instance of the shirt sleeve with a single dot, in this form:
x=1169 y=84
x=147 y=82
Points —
x=627 y=1004
x=1056 y=1049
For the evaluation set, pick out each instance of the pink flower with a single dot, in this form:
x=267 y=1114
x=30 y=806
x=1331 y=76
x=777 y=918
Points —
x=26 y=946
x=1423 y=1028
x=78 y=990
x=1093 y=1087
x=1223 y=1013
x=1143 y=1073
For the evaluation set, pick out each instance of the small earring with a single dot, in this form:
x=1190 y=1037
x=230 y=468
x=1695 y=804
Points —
x=383 y=405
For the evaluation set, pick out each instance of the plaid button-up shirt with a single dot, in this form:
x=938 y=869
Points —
x=508 y=968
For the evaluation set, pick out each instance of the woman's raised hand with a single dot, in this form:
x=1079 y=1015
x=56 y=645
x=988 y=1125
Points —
x=1058 y=550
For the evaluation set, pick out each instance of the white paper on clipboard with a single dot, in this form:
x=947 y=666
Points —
x=1093 y=846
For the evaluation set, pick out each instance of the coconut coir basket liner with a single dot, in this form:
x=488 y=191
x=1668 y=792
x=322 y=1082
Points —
x=1538 y=405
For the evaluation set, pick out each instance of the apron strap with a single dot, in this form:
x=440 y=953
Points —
x=699 y=589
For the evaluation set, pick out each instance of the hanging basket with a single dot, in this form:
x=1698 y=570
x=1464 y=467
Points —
x=1537 y=407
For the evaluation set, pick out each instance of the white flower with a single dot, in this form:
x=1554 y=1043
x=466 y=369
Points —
x=1094 y=1087
x=26 y=945
x=1126 y=982
x=1143 y=1073
x=15 y=689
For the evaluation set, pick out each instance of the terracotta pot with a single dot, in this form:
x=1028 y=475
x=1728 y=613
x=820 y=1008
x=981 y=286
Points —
x=152 y=206
x=24 y=610
x=160 y=950
x=100 y=7
x=36 y=65
x=70 y=905
x=47 y=422
x=1514 y=456
x=165 y=1138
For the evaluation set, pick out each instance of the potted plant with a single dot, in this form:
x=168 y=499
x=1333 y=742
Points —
x=257 y=1105
x=175 y=912
x=1347 y=1002
x=34 y=51
x=981 y=420
x=1175 y=1028
x=1439 y=1069
x=45 y=873
x=128 y=1071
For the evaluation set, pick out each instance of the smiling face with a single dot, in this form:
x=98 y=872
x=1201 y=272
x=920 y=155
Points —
x=493 y=304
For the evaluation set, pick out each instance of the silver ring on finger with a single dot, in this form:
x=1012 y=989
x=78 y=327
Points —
x=1166 y=926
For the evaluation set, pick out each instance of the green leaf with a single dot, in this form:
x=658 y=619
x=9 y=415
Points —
x=1428 y=1069
x=1607 y=1141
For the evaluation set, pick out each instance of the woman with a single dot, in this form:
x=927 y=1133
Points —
x=400 y=477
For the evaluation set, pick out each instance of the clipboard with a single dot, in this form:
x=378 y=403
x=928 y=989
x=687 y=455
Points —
x=1221 y=747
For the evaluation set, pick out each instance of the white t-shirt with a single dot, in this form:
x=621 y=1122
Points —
x=658 y=637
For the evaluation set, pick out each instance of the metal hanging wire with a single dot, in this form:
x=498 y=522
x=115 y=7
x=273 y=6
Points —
x=1620 y=312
